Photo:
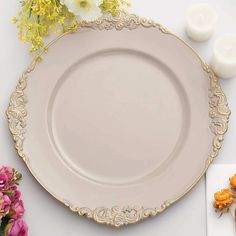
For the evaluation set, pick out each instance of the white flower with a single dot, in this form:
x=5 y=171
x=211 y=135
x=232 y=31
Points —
x=86 y=9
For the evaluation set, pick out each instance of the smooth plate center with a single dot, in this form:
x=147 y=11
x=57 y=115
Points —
x=117 y=117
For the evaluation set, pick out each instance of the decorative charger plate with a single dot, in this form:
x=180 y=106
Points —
x=122 y=119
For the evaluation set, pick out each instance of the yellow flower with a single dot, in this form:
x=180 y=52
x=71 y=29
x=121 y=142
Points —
x=14 y=20
x=114 y=6
x=223 y=199
x=39 y=18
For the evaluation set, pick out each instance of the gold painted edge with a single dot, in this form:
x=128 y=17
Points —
x=219 y=113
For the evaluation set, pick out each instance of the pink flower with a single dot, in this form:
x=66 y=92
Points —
x=8 y=171
x=15 y=194
x=17 y=210
x=16 y=228
x=6 y=176
x=5 y=204
x=3 y=180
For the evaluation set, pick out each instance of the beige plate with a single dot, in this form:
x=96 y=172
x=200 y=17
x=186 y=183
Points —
x=117 y=118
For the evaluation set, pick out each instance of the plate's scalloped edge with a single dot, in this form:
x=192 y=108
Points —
x=219 y=113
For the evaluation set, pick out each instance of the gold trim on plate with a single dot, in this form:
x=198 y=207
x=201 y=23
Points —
x=219 y=113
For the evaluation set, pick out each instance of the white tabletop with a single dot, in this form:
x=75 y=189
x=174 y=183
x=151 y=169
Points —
x=45 y=216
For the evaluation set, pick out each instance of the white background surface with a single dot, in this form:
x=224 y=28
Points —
x=45 y=216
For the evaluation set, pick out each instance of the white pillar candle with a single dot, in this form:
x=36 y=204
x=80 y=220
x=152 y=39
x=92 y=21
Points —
x=224 y=56
x=201 y=20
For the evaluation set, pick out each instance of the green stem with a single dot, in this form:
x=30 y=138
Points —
x=3 y=225
x=30 y=13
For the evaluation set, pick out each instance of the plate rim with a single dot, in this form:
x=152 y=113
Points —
x=117 y=216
